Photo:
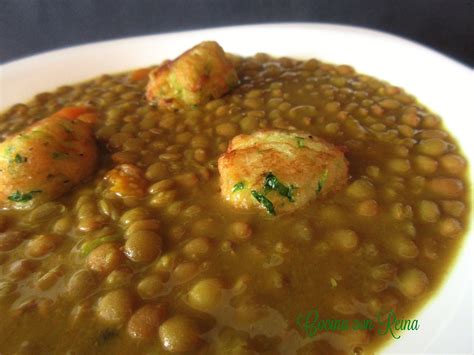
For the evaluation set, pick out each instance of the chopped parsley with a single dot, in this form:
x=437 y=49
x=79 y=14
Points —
x=322 y=181
x=265 y=202
x=272 y=183
x=300 y=142
x=19 y=159
x=239 y=186
x=20 y=197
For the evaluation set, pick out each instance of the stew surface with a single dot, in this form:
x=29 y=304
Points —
x=147 y=257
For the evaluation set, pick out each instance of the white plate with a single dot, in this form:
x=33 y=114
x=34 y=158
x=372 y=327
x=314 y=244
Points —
x=445 y=86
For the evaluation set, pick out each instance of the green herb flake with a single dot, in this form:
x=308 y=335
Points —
x=23 y=197
x=322 y=181
x=68 y=130
x=239 y=186
x=231 y=83
x=265 y=202
x=300 y=142
x=90 y=245
x=178 y=89
x=272 y=183
x=9 y=150
x=291 y=196
x=19 y=159
x=207 y=69
x=59 y=155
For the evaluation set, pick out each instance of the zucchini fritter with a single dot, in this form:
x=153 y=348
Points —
x=280 y=171
x=198 y=75
x=47 y=159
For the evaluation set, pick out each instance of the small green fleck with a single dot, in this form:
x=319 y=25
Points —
x=90 y=245
x=59 y=155
x=239 y=186
x=272 y=183
x=207 y=68
x=23 y=197
x=178 y=89
x=322 y=181
x=333 y=282
x=68 y=130
x=291 y=195
x=265 y=202
x=300 y=142
x=231 y=83
x=19 y=159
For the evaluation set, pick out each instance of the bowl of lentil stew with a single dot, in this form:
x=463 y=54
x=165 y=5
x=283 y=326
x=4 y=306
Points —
x=194 y=283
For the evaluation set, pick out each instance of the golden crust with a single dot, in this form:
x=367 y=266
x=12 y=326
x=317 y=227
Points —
x=47 y=159
x=195 y=77
x=307 y=165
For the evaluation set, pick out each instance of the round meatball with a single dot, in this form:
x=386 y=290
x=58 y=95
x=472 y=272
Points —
x=195 y=77
x=47 y=159
x=280 y=171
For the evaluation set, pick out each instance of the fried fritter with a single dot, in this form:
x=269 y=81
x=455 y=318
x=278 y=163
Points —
x=47 y=159
x=200 y=74
x=280 y=171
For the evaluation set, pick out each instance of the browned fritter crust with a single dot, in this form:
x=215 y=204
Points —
x=305 y=166
x=47 y=159
x=195 y=77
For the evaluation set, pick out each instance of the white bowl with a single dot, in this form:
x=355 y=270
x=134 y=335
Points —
x=442 y=84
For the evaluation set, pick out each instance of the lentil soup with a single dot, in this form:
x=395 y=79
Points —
x=147 y=257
